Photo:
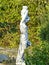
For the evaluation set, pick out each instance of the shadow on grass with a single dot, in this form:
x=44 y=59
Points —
x=9 y=62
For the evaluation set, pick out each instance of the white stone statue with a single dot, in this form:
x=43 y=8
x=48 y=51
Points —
x=24 y=43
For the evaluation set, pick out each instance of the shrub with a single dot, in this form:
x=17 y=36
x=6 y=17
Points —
x=44 y=32
x=38 y=55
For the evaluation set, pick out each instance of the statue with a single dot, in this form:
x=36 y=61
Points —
x=24 y=43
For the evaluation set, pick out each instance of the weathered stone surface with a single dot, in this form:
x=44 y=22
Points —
x=24 y=42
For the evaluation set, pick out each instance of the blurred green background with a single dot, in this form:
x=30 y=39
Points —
x=38 y=28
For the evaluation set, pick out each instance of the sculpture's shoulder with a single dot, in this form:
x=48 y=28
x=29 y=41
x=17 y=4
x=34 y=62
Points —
x=23 y=11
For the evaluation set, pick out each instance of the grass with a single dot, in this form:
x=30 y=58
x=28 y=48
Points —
x=9 y=62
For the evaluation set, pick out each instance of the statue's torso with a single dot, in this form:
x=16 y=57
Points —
x=23 y=28
x=24 y=34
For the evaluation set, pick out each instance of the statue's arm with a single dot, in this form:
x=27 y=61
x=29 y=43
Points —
x=24 y=17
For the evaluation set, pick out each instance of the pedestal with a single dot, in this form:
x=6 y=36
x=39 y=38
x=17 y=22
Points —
x=20 y=63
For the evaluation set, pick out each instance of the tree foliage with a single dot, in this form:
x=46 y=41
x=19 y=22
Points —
x=44 y=33
x=37 y=55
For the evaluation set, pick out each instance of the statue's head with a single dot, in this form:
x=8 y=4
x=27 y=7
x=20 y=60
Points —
x=23 y=11
x=24 y=14
x=25 y=7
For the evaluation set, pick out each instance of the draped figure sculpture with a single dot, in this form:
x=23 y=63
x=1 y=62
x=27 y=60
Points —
x=24 y=43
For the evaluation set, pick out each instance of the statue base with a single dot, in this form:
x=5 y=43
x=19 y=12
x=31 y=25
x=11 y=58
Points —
x=20 y=63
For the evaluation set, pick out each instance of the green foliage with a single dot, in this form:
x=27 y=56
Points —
x=9 y=35
x=9 y=11
x=10 y=17
x=44 y=32
x=37 y=55
x=10 y=40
